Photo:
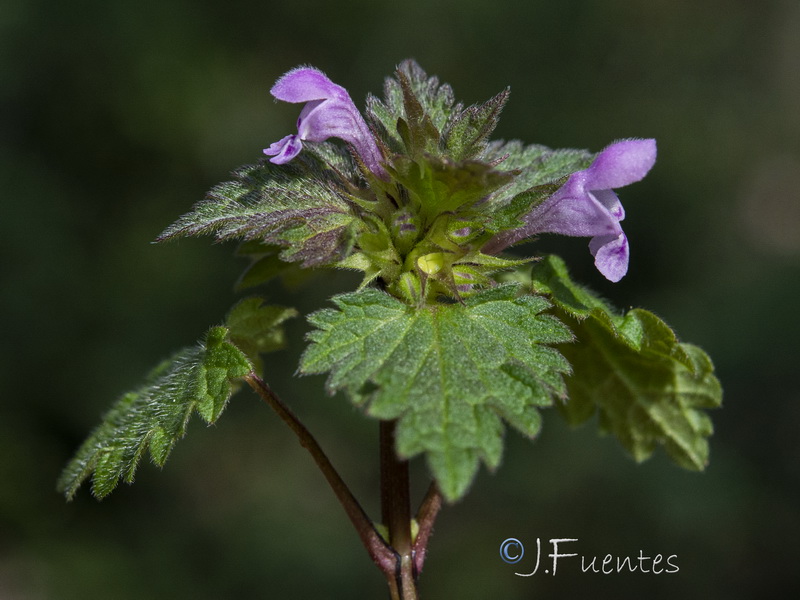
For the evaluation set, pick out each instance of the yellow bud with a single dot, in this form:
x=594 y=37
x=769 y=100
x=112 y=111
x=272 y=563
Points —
x=431 y=263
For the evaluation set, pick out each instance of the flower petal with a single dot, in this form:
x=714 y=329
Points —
x=610 y=200
x=322 y=119
x=577 y=214
x=620 y=164
x=611 y=255
x=305 y=84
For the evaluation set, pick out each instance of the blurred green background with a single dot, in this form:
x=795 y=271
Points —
x=117 y=116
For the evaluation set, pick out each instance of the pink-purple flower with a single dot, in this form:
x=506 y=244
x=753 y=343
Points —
x=587 y=206
x=329 y=112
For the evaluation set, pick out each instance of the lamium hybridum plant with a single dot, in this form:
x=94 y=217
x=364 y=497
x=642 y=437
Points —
x=448 y=339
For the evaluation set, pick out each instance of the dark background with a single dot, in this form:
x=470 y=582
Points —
x=115 y=117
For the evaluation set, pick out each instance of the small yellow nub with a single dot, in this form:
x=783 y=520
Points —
x=431 y=263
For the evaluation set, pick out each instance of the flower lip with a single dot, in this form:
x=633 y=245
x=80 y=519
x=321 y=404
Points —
x=611 y=255
x=284 y=149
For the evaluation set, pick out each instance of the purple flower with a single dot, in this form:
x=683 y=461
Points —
x=329 y=112
x=587 y=206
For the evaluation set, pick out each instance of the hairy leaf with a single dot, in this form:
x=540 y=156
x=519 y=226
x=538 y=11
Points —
x=647 y=388
x=255 y=328
x=466 y=134
x=535 y=173
x=155 y=416
x=436 y=186
x=535 y=164
x=413 y=101
x=449 y=373
x=265 y=264
x=550 y=276
x=302 y=207
x=503 y=216
x=416 y=127
x=418 y=116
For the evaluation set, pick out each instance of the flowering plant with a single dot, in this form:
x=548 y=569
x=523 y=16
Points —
x=447 y=339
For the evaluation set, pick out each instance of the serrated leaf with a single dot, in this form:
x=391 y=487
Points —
x=155 y=416
x=334 y=157
x=221 y=364
x=550 y=276
x=647 y=388
x=436 y=186
x=509 y=215
x=537 y=173
x=449 y=373
x=414 y=101
x=302 y=207
x=255 y=328
x=436 y=99
x=466 y=134
x=533 y=166
x=416 y=128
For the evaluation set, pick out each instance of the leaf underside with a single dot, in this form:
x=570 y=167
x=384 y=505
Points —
x=647 y=388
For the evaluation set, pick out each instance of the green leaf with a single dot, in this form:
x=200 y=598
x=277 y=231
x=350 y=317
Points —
x=265 y=265
x=255 y=328
x=304 y=207
x=466 y=134
x=418 y=115
x=334 y=158
x=551 y=277
x=535 y=172
x=413 y=112
x=436 y=185
x=509 y=215
x=449 y=373
x=416 y=128
x=647 y=388
x=155 y=416
x=535 y=164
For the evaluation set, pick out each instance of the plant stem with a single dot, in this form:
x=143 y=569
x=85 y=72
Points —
x=400 y=558
x=376 y=546
x=426 y=515
x=396 y=514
